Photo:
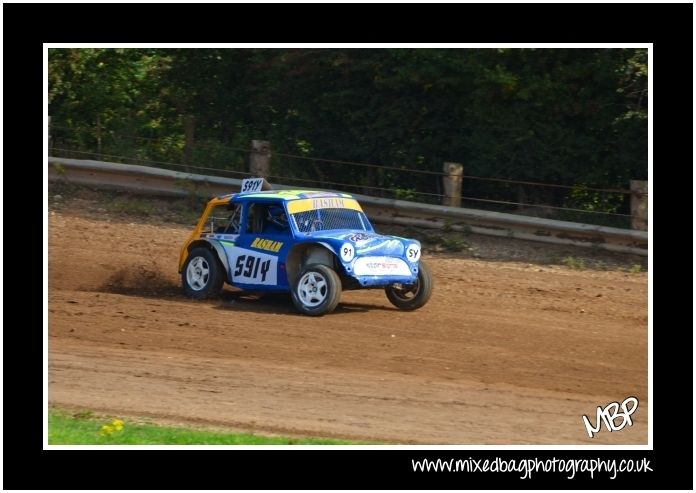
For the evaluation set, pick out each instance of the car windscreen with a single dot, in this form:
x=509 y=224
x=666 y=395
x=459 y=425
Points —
x=329 y=218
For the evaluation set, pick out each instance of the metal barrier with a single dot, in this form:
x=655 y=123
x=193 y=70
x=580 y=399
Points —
x=156 y=181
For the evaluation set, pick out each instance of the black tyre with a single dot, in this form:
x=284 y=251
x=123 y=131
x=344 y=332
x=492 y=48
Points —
x=203 y=275
x=412 y=296
x=317 y=290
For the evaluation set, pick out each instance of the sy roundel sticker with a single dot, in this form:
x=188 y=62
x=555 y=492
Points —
x=347 y=252
x=413 y=252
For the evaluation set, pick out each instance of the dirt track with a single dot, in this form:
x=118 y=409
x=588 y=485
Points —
x=505 y=353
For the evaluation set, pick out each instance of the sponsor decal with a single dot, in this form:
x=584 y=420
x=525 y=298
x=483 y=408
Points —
x=361 y=237
x=269 y=245
x=376 y=266
x=224 y=237
x=304 y=205
x=327 y=203
x=382 y=265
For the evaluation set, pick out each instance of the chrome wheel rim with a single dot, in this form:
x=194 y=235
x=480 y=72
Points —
x=312 y=289
x=198 y=273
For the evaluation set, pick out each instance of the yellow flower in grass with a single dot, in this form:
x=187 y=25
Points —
x=117 y=424
x=106 y=430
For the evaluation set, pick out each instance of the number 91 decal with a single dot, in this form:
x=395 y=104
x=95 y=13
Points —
x=347 y=252
x=413 y=252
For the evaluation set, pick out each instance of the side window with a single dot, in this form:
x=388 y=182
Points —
x=267 y=219
x=234 y=219
x=224 y=219
x=254 y=223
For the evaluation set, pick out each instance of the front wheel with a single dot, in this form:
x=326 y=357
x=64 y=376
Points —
x=202 y=276
x=317 y=290
x=412 y=296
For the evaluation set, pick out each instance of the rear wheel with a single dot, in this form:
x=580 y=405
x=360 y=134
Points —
x=412 y=296
x=317 y=290
x=202 y=276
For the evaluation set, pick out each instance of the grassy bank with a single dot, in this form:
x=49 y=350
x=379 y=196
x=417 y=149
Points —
x=65 y=428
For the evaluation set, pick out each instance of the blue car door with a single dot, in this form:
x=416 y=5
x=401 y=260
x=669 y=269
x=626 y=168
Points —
x=257 y=257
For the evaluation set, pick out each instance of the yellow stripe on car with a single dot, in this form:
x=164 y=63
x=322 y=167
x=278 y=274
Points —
x=304 y=205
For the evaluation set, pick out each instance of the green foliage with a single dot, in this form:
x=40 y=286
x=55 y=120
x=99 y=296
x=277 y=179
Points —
x=588 y=200
x=550 y=115
x=405 y=194
x=83 y=429
x=59 y=168
x=574 y=263
x=453 y=243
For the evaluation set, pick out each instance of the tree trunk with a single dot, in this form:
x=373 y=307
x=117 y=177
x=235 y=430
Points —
x=260 y=158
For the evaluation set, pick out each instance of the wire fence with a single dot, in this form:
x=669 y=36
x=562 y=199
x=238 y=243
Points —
x=579 y=203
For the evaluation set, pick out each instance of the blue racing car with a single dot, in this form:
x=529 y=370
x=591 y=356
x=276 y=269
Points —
x=313 y=244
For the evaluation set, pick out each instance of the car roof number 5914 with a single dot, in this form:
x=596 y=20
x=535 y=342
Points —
x=252 y=184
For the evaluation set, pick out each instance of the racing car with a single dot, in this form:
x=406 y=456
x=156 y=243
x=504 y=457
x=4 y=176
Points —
x=312 y=244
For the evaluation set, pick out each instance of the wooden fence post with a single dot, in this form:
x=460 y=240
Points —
x=452 y=184
x=260 y=158
x=639 y=205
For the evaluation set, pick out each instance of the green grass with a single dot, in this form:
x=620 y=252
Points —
x=574 y=263
x=83 y=428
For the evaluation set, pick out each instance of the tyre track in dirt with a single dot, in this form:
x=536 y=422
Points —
x=505 y=353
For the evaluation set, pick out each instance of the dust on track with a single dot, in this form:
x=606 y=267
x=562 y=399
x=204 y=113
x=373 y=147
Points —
x=504 y=353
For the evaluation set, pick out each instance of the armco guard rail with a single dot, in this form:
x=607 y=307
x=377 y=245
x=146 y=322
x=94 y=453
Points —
x=156 y=181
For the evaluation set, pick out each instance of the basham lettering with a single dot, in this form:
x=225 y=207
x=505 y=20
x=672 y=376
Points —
x=270 y=245
x=327 y=203
x=610 y=413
